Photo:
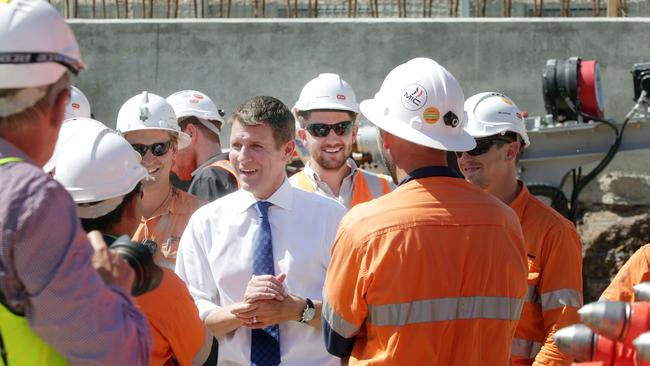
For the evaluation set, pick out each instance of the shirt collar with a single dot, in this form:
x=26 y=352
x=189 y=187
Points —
x=7 y=149
x=311 y=173
x=519 y=203
x=282 y=197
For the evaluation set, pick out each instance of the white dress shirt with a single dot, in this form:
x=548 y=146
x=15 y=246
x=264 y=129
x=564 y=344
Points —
x=215 y=259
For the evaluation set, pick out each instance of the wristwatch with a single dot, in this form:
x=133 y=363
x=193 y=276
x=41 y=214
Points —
x=308 y=312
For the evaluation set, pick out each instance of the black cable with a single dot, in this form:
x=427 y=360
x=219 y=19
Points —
x=581 y=183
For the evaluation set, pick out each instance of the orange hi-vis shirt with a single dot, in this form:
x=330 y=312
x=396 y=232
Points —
x=635 y=271
x=167 y=224
x=176 y=328
x=433 y=273
x=554 y=281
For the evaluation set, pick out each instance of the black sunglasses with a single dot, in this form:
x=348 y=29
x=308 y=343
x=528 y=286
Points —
x=484 y=145
x=322 y=129
x=157 y=149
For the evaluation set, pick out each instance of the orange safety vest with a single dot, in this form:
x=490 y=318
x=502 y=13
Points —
x=360 y=193
x=225 y=165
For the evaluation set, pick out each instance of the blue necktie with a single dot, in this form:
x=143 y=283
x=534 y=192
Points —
x=265 y=343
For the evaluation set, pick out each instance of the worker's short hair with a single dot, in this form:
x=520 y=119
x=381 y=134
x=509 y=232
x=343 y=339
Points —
x=28 y=116
x=114 y=217
x=303 y=116
x=267 y=110
x=204 y=130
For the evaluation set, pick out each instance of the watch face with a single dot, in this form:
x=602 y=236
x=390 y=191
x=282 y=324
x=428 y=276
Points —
x=308 y=314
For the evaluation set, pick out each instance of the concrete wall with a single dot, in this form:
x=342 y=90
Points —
x=233 y=60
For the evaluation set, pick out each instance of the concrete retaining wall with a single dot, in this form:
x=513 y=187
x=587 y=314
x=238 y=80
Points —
x=233 y=60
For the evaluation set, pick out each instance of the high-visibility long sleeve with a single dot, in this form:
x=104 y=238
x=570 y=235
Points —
x=633 y=272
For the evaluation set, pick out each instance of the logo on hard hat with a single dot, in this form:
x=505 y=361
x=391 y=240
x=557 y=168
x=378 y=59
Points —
x=198 y=96
x=194 y=101
x=76 y=105
x=340 y=97
x=413 y=97
x=431 y=115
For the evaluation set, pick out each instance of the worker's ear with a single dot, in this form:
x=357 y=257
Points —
x=512 y=151
x=191 y=130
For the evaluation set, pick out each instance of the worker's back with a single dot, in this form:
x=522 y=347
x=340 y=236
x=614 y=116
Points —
x=441 y=277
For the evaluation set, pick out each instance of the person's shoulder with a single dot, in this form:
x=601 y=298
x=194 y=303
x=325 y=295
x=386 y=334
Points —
x=545 y=215
x=188 y=200
x=26 y=181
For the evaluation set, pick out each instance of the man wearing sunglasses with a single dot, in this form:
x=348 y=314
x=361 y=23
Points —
x=552 y=244
x=326 y=112
x=434 y=272
x=149 y=123
x=202 y=162
x=64 y=298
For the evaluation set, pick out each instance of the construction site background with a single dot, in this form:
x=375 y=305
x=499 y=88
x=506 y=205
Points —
x=125 y=9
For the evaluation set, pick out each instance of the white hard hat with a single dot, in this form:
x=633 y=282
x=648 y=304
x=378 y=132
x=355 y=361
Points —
x=78 y=105
x=421 y=102
x=192 y=103
x=327 y=91
x=147 y=111
x=66 y=136
x=37 y=45
x=493 y=113
x=97 y=165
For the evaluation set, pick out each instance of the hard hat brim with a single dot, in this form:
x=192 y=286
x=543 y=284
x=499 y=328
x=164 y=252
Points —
x=326 y=105
x=372 y=110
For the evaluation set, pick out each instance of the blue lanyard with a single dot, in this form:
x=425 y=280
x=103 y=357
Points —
x=430 y=171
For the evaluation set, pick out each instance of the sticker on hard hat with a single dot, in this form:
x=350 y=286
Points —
x=340 y=97
x=413 y=97
x=194 y=101
x=506 y=100
x=198 y=96
x=431 y=115
x=76 y=105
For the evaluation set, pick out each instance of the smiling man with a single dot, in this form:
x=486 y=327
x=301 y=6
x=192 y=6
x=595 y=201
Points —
x=327 y=111
x=255 y=260
x=148 y=122
x=552 y=243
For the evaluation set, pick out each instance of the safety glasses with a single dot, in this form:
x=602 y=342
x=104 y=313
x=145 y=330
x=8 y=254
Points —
x=157 y=149
x=342 y=128
x=484 y=145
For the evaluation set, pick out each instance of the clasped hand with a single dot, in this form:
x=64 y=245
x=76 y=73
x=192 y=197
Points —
x=266 y=302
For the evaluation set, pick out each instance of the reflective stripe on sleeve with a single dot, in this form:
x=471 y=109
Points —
x=525 y=348
x=424 y=311
x=533 y=295
x=561 y=298
x=337 y=323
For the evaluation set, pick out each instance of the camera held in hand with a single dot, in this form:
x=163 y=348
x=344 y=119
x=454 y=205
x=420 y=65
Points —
x=140 y=257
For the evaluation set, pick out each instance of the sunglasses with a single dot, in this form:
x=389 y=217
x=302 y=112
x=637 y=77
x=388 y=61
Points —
x=322 y=129
x=483 y=146
x=157 y=149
